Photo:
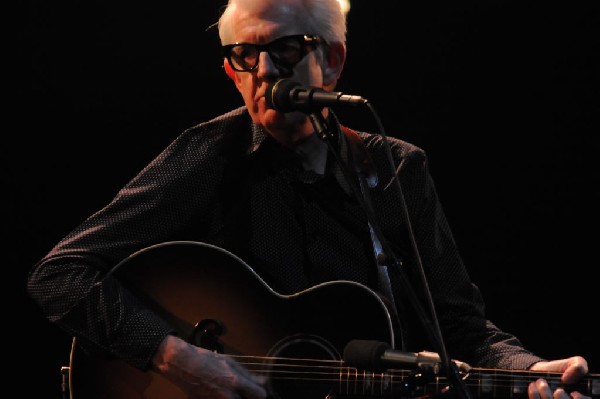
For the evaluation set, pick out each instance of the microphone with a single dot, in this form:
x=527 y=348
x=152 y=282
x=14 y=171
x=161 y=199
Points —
x=286 y=95
x=377 y=356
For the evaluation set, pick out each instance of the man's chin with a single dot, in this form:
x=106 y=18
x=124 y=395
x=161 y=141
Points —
x=277 y=119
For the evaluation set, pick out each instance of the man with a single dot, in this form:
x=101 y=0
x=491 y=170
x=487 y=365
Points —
x=260 y=183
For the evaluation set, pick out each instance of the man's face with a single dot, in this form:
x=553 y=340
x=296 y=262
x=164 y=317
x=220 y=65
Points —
x=263 y=27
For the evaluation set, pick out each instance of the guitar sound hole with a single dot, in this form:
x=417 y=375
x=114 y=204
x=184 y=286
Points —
x=303 y=367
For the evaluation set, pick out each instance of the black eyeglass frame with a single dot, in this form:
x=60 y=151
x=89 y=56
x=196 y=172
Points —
x=307 y=42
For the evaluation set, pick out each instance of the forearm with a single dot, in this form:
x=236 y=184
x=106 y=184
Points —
x=105 y=317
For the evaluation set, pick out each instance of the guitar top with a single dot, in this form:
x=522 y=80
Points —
x=218 y=302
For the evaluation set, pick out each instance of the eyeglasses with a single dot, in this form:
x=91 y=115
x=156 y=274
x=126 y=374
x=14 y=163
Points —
x=285 y=52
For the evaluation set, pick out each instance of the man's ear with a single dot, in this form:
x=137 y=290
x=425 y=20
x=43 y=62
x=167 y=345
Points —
x=335 y=57
x=231 y=73
x=228 y=69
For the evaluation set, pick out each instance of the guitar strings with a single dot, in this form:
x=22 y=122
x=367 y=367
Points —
x=329 y=370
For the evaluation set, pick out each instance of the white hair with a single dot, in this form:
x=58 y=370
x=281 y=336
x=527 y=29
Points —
x=326 y=18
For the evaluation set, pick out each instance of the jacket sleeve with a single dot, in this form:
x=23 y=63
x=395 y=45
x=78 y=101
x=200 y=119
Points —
x=468 y=335
x=71 y=284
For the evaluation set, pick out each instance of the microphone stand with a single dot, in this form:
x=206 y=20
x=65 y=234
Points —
x=387 y=255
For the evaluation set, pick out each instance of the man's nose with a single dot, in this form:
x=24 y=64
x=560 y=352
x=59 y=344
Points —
x=266 y=67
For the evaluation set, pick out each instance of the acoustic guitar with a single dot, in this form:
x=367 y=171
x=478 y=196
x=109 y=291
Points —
x=217 y=301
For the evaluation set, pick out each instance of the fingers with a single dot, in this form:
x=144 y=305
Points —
x=577 y=367
x=560 y=394
x=540 y=389
x=578 y=395
x=573 y=368
x=249 y=388
x=247 y=385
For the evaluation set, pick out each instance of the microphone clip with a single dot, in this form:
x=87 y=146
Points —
x=321 y=126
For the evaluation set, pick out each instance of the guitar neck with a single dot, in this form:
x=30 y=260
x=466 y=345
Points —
x=490 y=383
x=481 y=383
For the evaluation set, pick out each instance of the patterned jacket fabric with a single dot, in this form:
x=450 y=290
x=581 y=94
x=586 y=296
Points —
x=225 y=182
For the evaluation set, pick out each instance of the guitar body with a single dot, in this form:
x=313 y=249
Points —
x=217 y=301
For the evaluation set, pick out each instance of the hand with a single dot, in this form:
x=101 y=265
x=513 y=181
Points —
x=572 y=369
x=203 y=374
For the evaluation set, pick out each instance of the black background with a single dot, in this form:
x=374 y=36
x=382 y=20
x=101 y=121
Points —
x=503 y=95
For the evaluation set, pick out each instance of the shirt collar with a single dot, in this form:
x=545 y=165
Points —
x=313 y=151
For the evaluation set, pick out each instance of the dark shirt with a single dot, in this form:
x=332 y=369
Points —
x=226 y=183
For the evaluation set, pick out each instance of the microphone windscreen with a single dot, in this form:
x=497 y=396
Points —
x=277 y=95
x=365 y=354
